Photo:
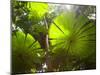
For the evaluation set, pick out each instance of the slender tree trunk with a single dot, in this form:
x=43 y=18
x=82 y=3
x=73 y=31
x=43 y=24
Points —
x=48 y=62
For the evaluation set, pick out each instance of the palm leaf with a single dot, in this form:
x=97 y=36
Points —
x=37 y=11
x=24 y=53
x=80 y=34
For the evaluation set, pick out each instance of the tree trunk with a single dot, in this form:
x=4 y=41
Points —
x=48 y=62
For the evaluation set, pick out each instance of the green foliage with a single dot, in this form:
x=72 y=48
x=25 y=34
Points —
x=37 y=11
x=25 y=53
x=75 y=37
x=71 y=38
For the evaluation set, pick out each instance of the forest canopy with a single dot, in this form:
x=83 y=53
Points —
x=50 y=37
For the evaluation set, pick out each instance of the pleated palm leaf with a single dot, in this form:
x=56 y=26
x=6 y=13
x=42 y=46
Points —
x=37 y=11
x=25 y=54
x=75 y=36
